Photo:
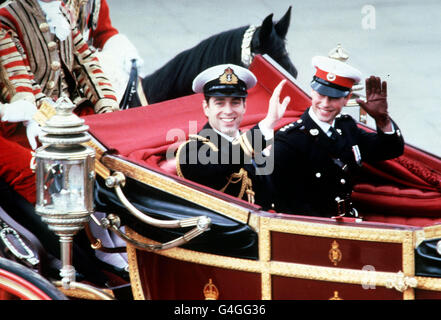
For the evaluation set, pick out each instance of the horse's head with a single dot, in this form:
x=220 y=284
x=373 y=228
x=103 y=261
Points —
x=269 y=39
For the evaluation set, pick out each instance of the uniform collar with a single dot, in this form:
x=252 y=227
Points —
x=223 y=135
x=323 y=125
x=227 y=137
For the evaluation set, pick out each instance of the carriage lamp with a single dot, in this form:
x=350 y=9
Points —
x=65 y=177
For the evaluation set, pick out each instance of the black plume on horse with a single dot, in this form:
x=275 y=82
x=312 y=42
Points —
x=175 y=78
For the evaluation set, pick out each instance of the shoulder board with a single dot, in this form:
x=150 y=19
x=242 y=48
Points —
x=291 y=126
x=343 y=116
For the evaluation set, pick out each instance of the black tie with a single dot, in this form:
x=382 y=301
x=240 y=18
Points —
x=334 y=133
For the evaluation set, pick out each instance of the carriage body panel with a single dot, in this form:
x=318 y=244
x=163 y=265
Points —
x=347 y=259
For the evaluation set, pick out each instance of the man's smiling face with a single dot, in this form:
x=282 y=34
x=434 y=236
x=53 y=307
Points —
x=327 y=108
x=225 y=113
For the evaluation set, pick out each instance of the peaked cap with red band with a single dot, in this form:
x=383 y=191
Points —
x=333 y=78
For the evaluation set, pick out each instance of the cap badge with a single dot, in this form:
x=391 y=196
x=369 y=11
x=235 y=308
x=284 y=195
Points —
x=331 y=76
x=228 y=77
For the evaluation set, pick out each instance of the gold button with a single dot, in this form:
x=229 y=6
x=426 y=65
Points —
x=44 y=27
x=52 y=45
x=51 y=84
x=55 y=65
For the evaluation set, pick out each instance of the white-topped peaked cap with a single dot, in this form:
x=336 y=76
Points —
x=333 y=78
x=224 y=80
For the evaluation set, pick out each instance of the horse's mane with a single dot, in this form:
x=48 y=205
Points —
x=179 y=72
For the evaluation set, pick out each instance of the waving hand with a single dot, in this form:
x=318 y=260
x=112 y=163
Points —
x=376 y=101
x=276 y=109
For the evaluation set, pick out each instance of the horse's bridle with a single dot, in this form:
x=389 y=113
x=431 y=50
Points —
x=246 y=54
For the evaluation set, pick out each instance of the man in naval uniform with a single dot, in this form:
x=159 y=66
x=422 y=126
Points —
x=317 y=158
x=220 y=156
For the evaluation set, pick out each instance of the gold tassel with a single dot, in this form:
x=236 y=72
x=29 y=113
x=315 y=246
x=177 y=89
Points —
x=247 y=184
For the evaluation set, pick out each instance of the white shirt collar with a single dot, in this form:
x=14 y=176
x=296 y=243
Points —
x=230 y=139
x=323 y=125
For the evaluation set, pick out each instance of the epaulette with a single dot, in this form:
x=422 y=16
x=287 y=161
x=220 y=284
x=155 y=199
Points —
x=343 y=116
x=291 y=126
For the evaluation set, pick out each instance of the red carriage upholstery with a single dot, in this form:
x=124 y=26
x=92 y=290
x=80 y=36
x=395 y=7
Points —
x=404 y=190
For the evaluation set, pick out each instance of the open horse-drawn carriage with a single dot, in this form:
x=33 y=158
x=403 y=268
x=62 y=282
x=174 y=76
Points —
x=390 y=252
x=187 y=241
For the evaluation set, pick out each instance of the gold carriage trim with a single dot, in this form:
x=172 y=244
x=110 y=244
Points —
x=428 y=233
x=79 y=293
x=335 y=296
x=335 y=254
x=135 y=280
x=405 y=237
x=100 y=168
x=211 y=292
x=268 y=268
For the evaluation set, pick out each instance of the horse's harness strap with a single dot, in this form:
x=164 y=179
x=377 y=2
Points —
x=246 y=55
x=14 y=242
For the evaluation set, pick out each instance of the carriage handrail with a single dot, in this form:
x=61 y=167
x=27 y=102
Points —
x=112 y=222
x=117 y=179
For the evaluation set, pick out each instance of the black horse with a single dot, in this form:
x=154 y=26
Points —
x=175 y=78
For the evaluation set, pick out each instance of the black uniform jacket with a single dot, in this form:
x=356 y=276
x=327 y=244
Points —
x=211 y=160
x=311 y=170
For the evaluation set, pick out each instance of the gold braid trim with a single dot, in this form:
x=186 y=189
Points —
x=178 y=164
x=242 y=175
x=247 y=184
x=191 y=137
x=246 y=145
x=204 y=140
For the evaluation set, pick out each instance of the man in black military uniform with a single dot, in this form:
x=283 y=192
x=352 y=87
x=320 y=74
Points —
x=220 y=156
x=317 y=158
